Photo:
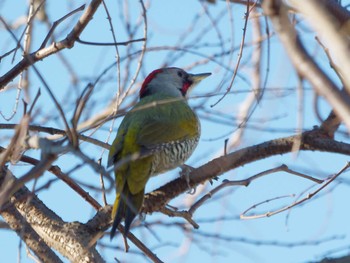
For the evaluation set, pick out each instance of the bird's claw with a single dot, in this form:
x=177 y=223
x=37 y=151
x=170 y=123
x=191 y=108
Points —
x=211 y=180
x=185 y=173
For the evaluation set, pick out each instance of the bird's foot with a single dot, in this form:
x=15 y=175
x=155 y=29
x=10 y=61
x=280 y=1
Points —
x=216 y=178
x=185 y=173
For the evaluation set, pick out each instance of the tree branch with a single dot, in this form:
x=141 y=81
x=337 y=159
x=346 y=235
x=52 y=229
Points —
x=314 y=140
x=69 y=239
x=41 y=53
x=303 y=63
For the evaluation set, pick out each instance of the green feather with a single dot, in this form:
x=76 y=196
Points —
x=142 y=131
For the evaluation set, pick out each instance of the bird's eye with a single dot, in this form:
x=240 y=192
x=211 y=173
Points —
x=180 y=74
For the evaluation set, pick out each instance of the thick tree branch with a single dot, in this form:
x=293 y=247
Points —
x=18 y=223
x=70 y=239
x=314 y=140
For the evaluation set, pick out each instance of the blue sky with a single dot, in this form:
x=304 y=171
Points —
x=295 y=233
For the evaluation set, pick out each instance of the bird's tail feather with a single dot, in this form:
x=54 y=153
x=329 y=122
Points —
x=127 y=206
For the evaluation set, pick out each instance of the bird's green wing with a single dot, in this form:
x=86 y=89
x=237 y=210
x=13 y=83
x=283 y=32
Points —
x=116 y=146
x=131 y=169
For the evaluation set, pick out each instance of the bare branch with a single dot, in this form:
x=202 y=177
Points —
x=310 y=141
x=308 y=196
x=68 y=42
x=303 y=62
x=70 y=239
x=328 y=27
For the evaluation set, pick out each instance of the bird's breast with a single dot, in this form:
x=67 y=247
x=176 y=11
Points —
x=173 y=154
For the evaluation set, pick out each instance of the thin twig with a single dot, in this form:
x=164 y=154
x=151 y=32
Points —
x=57 y=22
x=40 y=54
x=308 y=196
x=125 y=43
x=240 y=54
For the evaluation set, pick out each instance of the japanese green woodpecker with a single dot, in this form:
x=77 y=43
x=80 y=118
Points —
x=158 y=134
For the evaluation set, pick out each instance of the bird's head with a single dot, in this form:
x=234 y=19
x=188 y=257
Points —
x=173 y=82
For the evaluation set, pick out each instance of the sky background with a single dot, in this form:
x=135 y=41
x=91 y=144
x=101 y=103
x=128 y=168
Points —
x=306 y=233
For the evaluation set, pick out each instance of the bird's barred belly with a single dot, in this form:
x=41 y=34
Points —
x=172 y=155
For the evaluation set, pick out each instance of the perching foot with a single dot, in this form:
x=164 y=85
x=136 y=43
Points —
x=185 y=173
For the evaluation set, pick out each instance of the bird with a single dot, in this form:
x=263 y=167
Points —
x=158 y=134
